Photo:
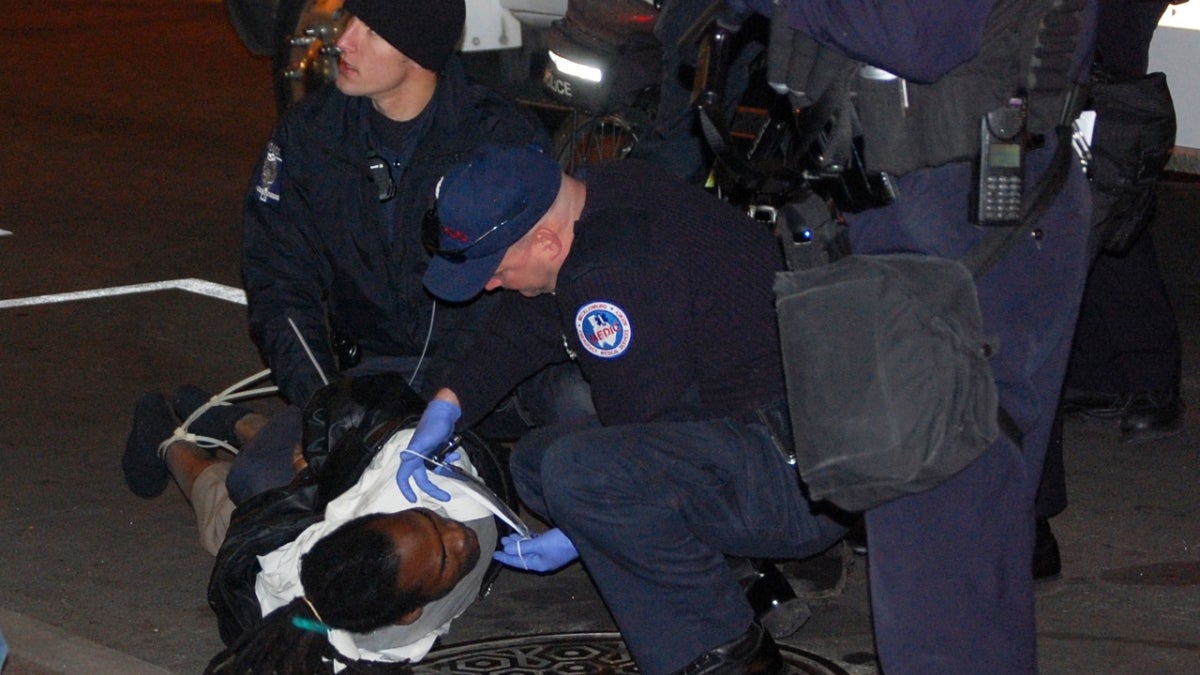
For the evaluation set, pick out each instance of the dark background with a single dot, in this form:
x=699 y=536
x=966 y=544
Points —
x=128 y=131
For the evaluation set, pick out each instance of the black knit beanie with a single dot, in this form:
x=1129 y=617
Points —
x=426 y=31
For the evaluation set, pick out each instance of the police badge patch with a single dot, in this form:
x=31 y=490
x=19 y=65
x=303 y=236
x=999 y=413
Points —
x=603 y=329
x=268 y=180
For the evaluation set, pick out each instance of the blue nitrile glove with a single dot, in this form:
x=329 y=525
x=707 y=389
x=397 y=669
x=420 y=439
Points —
x=432 y=432
x=545 y=552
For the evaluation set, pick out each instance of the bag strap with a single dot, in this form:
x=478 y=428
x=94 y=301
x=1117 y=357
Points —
x=998 y=241
x=1046 y=70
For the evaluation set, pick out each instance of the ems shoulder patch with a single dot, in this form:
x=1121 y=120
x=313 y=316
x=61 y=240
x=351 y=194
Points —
x=603 y=329
x=268 y=181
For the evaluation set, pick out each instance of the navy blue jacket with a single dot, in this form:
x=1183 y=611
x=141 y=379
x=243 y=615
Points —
x=915 y=39
x=314 y=242
x=665 y=298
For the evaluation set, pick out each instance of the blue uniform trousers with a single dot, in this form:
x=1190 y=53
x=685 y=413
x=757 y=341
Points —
x=950 y=576
x=655 y=508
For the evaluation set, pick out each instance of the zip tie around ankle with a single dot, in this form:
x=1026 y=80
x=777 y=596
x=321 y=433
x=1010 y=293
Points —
x=230 y=394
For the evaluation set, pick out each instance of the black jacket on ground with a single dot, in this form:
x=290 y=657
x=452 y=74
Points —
x=315 y=241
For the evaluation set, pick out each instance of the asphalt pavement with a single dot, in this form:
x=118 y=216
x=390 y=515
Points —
x=126 y=139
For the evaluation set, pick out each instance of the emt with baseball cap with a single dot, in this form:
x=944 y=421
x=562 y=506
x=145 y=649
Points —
x=663 y=294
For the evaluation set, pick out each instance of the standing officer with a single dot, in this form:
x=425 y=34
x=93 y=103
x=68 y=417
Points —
x=663 y=293
x=1126 y=360
x=1126 y=357
x=950 y=577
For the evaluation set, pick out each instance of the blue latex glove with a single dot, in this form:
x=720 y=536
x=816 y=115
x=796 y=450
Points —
x=545 y=552
x=432 y=432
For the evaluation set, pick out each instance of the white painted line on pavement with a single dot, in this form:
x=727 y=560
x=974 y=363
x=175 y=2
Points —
x=5 y=233
x=197 y=286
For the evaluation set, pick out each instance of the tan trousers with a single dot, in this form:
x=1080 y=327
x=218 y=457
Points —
x=210 y=500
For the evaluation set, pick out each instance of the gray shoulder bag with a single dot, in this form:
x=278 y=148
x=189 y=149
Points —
x=889 y=386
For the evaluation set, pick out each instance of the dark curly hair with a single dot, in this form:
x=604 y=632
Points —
x=351 y=578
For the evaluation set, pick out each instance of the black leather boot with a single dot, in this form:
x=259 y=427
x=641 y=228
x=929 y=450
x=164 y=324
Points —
x=1151 y=415
x=1098 y=405
x=1047 y=563
x=751 y=653
x=775 y=604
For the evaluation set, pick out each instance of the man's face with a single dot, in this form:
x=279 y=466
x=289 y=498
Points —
x=435 y=552
x=524 y=269
x=370 y=66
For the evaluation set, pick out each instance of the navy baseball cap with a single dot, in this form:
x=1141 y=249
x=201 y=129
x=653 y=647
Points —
x=485 y=205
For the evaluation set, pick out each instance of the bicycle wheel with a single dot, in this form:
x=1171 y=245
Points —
x=594 y=139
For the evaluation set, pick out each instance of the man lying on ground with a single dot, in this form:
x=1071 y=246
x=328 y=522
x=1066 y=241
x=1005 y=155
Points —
x=304 y=579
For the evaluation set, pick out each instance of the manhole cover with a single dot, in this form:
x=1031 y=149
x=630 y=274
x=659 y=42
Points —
x=570 y=654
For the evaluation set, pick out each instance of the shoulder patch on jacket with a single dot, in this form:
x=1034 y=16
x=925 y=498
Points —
x=604 y=329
